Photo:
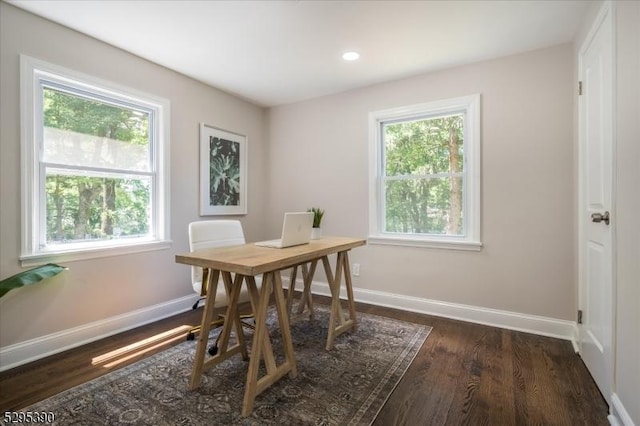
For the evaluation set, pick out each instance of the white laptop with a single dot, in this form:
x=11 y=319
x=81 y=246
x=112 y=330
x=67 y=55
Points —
x=296 y=230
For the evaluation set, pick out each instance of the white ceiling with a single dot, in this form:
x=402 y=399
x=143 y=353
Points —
x=279 y=52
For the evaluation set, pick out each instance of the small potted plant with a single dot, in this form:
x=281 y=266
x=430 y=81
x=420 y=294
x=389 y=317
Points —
x=316 y=232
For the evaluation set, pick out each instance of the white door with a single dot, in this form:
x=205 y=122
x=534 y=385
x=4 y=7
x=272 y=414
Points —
x=595 y=164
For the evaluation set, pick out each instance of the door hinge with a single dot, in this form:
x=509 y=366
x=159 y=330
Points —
x=579 y=316
x=579 y=88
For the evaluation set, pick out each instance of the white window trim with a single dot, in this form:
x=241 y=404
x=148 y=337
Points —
x=31 y=70
x=470 y=105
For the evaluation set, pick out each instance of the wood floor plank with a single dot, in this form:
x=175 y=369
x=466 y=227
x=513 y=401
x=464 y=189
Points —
x=499 y=397
x=463 y=374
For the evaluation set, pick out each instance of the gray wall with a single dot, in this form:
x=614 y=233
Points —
x=98 y=289
x=320 y=148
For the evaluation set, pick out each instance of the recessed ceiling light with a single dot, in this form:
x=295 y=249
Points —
x=350 y=56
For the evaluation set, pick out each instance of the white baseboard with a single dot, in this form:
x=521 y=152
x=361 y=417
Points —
x=576 y=338
x=619 y=415
x=31 y=350
x=544 y=326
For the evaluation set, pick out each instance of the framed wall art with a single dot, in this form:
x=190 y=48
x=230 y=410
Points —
x=223 y=172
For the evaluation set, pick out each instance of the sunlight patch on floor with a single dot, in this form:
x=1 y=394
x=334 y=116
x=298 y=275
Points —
x=126 y=353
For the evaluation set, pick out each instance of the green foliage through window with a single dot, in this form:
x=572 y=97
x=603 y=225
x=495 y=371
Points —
x=423 y=179
x=98 y=165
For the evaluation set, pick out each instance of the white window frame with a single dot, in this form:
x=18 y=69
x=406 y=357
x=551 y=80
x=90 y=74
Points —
x=33 y=251
x=469 y=106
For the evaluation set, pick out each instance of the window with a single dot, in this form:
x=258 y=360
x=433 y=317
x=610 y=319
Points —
x=94 y=166
x=425 y=175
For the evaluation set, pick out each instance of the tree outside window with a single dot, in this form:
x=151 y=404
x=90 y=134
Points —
x=425 y=174
x=95 y=166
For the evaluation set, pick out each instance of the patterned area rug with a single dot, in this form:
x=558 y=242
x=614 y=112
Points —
x=345 y=386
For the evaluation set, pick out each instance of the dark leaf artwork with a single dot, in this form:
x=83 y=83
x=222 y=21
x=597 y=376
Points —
x=224 y=172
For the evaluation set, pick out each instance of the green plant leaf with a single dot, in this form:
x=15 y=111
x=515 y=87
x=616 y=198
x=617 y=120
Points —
x=31 y=276
x=317 y=216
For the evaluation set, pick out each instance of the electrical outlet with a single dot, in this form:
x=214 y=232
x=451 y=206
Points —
x=356 y=270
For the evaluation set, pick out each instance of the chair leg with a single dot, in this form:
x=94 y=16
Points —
x=213 y=349
x=195 y=305
x=191 y=335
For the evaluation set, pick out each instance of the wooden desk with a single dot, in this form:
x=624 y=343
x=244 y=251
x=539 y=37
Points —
x=247 y=261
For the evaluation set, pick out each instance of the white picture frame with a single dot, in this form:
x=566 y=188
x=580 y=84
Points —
x=223 y=172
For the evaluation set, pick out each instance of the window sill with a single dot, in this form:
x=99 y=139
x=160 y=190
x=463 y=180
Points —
x=438 y=243
x=73 y=255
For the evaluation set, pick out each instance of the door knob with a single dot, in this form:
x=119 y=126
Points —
x=599 y=217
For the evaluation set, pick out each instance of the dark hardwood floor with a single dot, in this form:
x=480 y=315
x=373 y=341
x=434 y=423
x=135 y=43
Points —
x=465 y=374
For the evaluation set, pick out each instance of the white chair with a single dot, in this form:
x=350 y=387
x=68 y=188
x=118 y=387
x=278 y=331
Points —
x=209 y=234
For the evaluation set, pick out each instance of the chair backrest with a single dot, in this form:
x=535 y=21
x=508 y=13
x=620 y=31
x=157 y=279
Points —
x=212 y=233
